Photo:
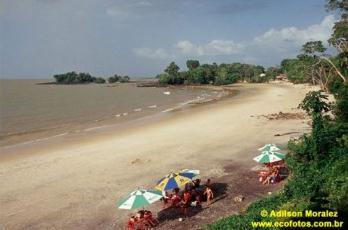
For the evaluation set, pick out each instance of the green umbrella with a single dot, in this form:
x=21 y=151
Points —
x=269 y=157
x=269 y=147
x=139 y=198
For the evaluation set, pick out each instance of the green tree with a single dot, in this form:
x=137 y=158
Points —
x=272 y=72
x=173 y=71
x=114 y=78
x=313 y=47
x=124 y=79
x=339 y=37
x=315 y=105
x=163 y=78
x=341 y=109
x=192 y=64
x=99 y=80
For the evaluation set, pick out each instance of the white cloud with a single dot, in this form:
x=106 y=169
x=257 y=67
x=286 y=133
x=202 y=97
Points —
x=212 y=48
x=151 y=53
x=298 y=36
x=269 y=47
x=186 y=47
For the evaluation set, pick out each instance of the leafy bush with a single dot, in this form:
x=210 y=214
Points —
x=163 y=78
x=74 y=78
x=114 y=79
x=124 y=79
x=99 y=80
x=243 y=222
x=117 y=78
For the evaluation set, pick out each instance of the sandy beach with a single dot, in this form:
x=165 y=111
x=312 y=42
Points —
x=76 y=185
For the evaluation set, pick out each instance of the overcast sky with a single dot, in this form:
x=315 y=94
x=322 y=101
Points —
x=39 y=38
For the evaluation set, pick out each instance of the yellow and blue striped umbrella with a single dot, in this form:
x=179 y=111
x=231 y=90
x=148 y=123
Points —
x=176 y=180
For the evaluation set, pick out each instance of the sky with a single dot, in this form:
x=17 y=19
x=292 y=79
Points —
x=139 y=38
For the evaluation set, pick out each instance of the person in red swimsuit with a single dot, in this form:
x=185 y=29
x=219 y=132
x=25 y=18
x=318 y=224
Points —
x=186 y=201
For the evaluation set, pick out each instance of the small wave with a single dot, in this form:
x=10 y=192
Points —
x=95 y=128
x=168 y=110
x=189 y=102
x=152 y=106
x=137 y=110
x=117 y=115
x=124 y=114
x=37 y=140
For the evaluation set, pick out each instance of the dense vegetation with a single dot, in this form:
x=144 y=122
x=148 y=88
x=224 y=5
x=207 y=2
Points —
x=118 y=78
x=81 y=78
x=76 y=78
x=318 y=161
x=221 y=74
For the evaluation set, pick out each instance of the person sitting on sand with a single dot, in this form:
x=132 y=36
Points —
x=195 y=197
x=269 y=178
x=275 y=175
x=209 y=193
x=149 y=219
x=175 y=199
x=131 y=223
x=186 y=202
x=196 y=183
x=166 y=198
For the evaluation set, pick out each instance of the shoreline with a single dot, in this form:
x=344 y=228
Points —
x=73 y=125
x=76 y=186
x=110 y=126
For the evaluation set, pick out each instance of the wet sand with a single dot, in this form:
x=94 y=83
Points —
x=75 y=184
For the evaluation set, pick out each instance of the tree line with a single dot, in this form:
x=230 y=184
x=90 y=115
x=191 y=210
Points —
x=215 y=74
x=82 y=78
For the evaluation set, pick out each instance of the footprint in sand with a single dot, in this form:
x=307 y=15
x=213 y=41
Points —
x=138 y=161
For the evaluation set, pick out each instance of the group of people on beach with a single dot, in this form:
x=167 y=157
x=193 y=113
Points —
x=270 y=176
x=143 y=219
x=191 y=196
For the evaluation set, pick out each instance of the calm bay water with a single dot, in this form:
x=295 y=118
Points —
x=29 y=111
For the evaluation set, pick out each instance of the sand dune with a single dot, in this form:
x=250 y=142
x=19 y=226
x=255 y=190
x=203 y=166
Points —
x=77 y=186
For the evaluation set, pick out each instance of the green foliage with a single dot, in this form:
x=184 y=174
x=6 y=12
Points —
x=114 y=78
x=337 y=5
x=243 y=222
x=215 y=74
x=164 y=78
x=341 y=109
x=192 y=64
x=117 y=78
x=74 y=78
x=225 y=76
x=295 y=69
x=272 y=72
x=124 y=79
x=172 y=69
x=315 y=102
x=313 y=47
x=99 y=80
x=258 y=70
